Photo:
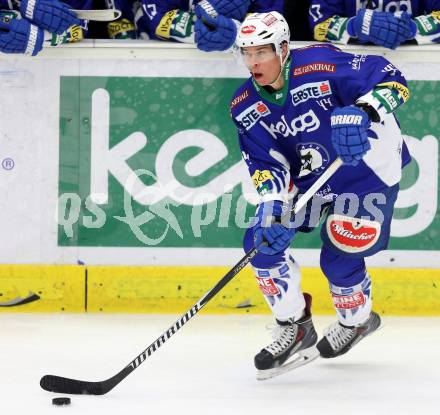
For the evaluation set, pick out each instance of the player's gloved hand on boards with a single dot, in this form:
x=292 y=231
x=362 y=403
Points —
x=52 y=15
x=349 y=134
x=214 y=34
x=426 y=28
x=20 y=36
x=270 y=235
x=235 y=9
x=381 y=28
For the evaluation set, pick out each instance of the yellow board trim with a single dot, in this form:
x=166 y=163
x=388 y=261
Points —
x=400 y=292
x=46 y=287
x=173 y=289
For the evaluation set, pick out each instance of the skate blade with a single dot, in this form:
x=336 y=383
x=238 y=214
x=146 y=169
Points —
x=301 y=358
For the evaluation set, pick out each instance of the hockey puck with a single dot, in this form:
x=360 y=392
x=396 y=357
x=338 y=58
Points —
x=61 y=401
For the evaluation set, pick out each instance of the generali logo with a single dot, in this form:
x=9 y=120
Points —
x=314 y=67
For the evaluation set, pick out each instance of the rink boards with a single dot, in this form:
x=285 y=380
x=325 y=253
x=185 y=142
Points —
x=67 y=196
x=39 y=288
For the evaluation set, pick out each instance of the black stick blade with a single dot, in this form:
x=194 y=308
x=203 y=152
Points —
x=59 y=384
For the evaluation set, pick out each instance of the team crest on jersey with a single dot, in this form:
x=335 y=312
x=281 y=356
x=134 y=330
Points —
x=310 y=90
x=314 y=158
x=248 y=118
x=352 y=234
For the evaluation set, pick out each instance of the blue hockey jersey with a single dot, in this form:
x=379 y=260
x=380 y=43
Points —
x=321 y=10
x=285 y=135
x=75 y=4
x=156 y=11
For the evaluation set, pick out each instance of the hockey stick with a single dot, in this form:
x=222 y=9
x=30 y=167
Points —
x=105 y=15
x=59 y=384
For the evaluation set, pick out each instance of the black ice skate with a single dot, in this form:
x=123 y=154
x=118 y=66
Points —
x=339 y=339
x=294 y=346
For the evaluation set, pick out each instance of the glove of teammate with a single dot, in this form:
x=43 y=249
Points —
x=380 y=28
x=426 y=28
x=52 y=15
x=20 y=36
x=214 y=34
x=349 y=134
x=234 y=9
x=275 y=238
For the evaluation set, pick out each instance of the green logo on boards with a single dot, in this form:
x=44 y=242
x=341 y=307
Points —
x=155 y=162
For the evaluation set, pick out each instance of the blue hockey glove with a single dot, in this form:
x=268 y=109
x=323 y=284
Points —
x=20 y=36
x=234 y=9
x=380 y=28
x=273 y=237
x=52 y=15
x=349 y=134
x=214 y=34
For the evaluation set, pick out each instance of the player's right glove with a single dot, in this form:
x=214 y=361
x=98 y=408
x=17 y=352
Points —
x=270 y=235
x=381 y=28
x=52 y=15
x=235 y=9
x=214 y=34
x=349 y=134
x=20 y=36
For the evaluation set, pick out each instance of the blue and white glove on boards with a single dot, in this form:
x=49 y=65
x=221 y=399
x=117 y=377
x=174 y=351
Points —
x=51 y=15
x=426 y=28
x=270 y=236
x=214 y=34
x=234 y=9
x=350 y=134
x=381 y=28
x=20 y=36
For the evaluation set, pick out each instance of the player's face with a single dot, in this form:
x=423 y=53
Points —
x=263 y=63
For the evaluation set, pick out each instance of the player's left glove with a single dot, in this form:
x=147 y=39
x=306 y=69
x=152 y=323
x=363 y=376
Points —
x=381 y=28
x=349 y=134
x=20 y=36
x=235 y=9
x=270 y=235
x=214 y=34
x=52 y=15
x=426 y=28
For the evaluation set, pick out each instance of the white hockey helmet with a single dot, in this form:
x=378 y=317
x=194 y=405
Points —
x=264 y=29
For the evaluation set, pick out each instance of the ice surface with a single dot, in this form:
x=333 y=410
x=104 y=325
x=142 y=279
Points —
x=207 y=367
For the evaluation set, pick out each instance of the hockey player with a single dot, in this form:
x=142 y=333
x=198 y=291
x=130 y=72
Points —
x=211 y=24
x=387 y=23
x=28 y=24
x=297 y=112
